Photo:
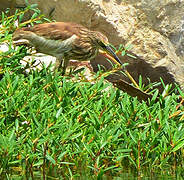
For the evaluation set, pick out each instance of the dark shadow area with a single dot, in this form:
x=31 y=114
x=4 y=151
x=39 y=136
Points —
x=136 y=67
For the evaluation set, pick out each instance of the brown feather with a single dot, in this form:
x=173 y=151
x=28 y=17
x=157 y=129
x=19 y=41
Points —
x=56 y=30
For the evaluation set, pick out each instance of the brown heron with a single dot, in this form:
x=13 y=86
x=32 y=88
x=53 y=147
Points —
x=65 y=41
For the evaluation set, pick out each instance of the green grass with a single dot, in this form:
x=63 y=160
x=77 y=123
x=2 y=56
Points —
x=53 y=125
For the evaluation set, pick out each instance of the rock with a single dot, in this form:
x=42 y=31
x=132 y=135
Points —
x=4 y=47
x=165 y=17
x=154 y=29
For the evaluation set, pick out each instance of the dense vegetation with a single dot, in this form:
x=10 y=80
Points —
x=62 y=126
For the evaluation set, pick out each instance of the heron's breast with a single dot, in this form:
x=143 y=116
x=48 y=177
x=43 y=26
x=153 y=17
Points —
x=52 y=47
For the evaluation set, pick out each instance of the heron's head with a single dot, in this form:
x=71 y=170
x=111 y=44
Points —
x=103 y=44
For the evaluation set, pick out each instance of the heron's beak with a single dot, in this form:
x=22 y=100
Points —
x=109 y=51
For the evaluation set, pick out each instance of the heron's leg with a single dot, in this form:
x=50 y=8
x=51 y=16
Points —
x=61 y=63
x=58 y=64
x=65 y=64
